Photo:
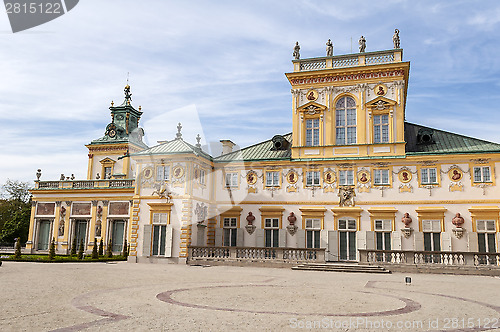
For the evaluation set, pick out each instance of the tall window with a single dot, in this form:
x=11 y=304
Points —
x=162 y=173
x=381 y=176
x=383 y=234
x=346 y=177
x=107 y=172
x=159 y=232
x=231 y=179
x=482 y=174
x=272 y=179
x=313 y=229
x=428 y=176
x=486 y=235
x=312 y=178
x=345 y=121
x=432 y=235
x=347 y=239
x=381 y=128
x=230 y=232
x=312 y=132
x=271 y=232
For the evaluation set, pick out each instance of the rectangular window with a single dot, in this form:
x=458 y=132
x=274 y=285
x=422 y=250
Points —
x=230 y=231
x=272 y=179
x=486 y=235
x=482 y=174
x=381 y=176
x=118 y=235
x=313 y=227
x=271 y=232
x=44 y=235
x=312 y=178
x=432 y=241
x=346 y=177
x=159 y=232
x=160 y=218
x=162 y=173
x=231 y=179
x=428 y=176
x=312 y=132
x=347 y=224
x=383 y=240
x=381 y=128
x=383 y=225
x=107 y=172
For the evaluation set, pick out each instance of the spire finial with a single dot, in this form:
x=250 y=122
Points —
x=179 y=127
x=112 y=103
x=128 y=95
x=198 y=139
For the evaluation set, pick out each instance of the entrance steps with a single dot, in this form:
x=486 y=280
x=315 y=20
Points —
x=334 y=267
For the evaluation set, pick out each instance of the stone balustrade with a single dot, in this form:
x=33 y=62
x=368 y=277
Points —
x=84 y=184
x=278 y=255
x=348 y=60
x=423 y=258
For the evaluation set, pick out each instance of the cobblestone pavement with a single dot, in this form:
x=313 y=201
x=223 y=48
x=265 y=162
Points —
x=167 y=297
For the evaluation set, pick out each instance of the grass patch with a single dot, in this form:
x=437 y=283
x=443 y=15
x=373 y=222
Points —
x=59 y=259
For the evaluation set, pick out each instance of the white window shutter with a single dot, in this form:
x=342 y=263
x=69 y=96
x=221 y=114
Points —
x=370 y=240
x=259 y=238
x=146 y=241
x=240 y=237
x=361 y=239
x=333 y=246
x=301 y=238
x=282 y=238
x=472 y=241
x=323 y=243
x=419 y=241
x=396 y=240
x=218 y=237
x=168 y=241
x=445 y=241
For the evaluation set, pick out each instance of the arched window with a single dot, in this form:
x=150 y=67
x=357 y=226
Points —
x=345 y=121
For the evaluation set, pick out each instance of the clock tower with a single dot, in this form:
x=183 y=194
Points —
x=109 y=156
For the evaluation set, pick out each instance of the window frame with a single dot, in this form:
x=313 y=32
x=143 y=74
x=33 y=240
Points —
x=346 y=172
x=380 y=127
x=314 y=130
x=275 y=175
x=379 y=171
x=345 y=115
x=428 y=182
x=234 y=178
x=315 y=175
x=482 y=168
x=162 y=167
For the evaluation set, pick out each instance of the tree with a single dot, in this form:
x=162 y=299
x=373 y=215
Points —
x=95 y=254
x=73 y=247
x=17 y=253
x=52 y=249
x=109 y=251
x=15 y=211
x=125 y=249
x=101 y=250
x=80 y=250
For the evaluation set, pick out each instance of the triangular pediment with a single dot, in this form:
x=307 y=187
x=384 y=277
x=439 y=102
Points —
x=107 y=160
x=380 y=103
x=312 y=108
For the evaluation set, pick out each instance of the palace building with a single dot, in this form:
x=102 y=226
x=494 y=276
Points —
x=352 y=181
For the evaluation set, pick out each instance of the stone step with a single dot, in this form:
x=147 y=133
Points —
x=341 y=268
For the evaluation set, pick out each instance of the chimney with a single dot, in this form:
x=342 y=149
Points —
x=227 y=146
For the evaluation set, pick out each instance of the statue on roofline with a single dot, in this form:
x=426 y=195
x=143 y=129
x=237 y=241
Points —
x=296 y=51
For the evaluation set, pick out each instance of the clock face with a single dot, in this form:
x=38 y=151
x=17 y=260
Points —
x=112 y=133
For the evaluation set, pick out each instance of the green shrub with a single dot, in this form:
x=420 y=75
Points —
x=17 y=253
x=52 y=249
x=73 y=247
x=125 y=249
x=109 y=251
x=95 y=254
x=80 y=250
x=101 y=250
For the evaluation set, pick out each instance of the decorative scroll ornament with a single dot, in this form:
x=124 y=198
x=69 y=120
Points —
x=458 y=221
x=407 y=229
x=292 y=228
x=250 y=227
x=346 y=195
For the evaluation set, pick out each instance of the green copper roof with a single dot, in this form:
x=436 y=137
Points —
x=260 y=151
x=176 y=146
x=444 y=142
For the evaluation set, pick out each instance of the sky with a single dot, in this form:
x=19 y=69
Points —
x=218 y=68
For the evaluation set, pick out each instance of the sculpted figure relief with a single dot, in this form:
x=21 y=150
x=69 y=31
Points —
x=329 y=48
x=296 y=51
x=395 y=39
